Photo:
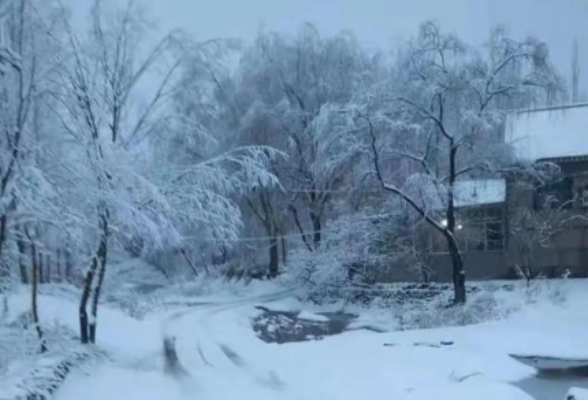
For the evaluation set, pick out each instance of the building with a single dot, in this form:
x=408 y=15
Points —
x=481 y=232
x=557 y=136
x=530 y=223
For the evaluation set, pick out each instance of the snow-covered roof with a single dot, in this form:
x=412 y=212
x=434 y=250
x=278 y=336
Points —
x=554 y=132
x=479 y=192
x=466 y=193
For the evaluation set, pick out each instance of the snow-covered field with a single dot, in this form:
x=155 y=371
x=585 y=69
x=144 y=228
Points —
x=224 y=359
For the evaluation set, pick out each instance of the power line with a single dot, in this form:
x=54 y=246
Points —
x=291 y=235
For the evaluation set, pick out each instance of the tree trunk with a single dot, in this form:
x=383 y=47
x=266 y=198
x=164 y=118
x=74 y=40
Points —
x=58 y=269
x=87 y=289
x=102 y=257
x=3 y=231
x=458 y=271
x=48 y=268
x=274 y=261
x=284 y=249
x=68 y=265
x=316 y=228
x=40 y=267
x=22 y=248
x=4 y=267
x=189 y=261
x=34 y=287
x=456 y=259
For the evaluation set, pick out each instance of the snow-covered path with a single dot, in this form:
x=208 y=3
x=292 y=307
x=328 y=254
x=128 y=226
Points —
x=225 y=360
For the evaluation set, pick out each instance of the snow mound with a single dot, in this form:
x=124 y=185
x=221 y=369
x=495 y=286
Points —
x=308 y=316
x=577 y=394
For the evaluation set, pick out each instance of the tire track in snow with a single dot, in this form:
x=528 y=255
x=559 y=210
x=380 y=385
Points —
x=203 y=319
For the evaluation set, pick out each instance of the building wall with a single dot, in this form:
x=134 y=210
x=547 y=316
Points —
x=567 y=250
x=478 y=266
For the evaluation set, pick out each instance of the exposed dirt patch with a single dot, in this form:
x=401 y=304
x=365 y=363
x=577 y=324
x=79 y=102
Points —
x=290 y=326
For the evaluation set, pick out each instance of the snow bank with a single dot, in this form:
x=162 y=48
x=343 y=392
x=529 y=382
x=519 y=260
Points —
x=577 y=394
x=117 y=331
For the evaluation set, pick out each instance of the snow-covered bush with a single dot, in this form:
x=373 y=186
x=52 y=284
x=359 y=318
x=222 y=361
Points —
x=438 y=313
x=541 y=288
x=356 y=250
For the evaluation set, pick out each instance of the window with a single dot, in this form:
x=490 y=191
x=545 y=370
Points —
x=494 y=236
x=475 y=237
x=482 y=236
x=477 y=230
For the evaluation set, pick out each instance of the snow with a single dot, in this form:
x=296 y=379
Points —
x=308 y=316
x=118 y=333
x=549 y=133
x=224 y=359
x=577 y=394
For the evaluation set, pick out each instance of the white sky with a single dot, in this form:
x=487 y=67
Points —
x=380 y=23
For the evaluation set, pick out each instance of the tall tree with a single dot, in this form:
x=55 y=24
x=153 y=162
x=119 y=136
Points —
x=296 y=91
x=100 y=114
x=29 y=59
x=447 y=99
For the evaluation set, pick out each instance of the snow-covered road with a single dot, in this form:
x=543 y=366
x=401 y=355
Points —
x=223 y=359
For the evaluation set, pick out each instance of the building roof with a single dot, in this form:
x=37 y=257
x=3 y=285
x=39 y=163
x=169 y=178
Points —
x=466 y=193
x=549 y=133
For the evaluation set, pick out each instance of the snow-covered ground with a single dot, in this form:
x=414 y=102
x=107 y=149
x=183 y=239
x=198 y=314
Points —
x=224 y=359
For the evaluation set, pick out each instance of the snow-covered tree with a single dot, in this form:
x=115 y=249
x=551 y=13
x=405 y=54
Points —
x=208 y=163
x=120 y=179
x=28 y=206
x=296 y=92
x=442 y=112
